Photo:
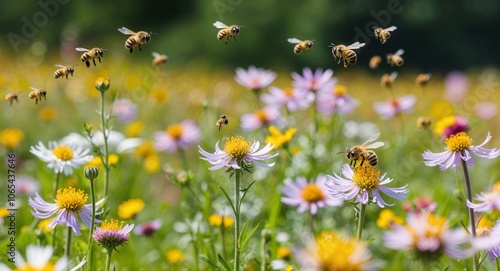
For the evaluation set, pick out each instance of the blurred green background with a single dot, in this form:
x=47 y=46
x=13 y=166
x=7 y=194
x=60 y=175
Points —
x=436 y=35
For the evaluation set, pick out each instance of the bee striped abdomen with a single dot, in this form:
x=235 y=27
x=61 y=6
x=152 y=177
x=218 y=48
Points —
x=351 y=57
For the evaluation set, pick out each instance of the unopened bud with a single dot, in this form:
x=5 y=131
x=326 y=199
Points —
x=102 y=84
x=91 y=172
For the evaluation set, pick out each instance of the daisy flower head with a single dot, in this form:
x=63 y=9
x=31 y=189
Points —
x=112 y=234
x=489 y=201
x=254 y=78
x=148 y=228
x=335 y=101
x=265 y=116
x=459 y=147
x=313 y=81
x=38 y=258
x=238 y=153
x=308 y=195
x=395 y=106
x=451 y=125
x=293 y=98
x=62 y=158
x=177 y=136
x=428 y=237
x=68 y=207
x=363 y=184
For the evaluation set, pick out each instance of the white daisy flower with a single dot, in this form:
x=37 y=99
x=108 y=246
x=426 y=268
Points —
x=62 y=158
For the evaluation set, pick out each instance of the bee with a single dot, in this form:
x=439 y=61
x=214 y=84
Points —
x=346 y=53
x=227 y=31
x=63 y=70
x=383 y=34
x=159 y=59
x=302 y=46
x=396 y=59
x=136 y=39
x=362 y=152
x=223 y=120
x=387 y=79
x=91 y=54
x=37 y=94
x=375 y=62
x=422 y=79
x=11 y=97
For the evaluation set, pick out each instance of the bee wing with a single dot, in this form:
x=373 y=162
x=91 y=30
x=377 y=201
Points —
x=33 y=88
x=399 y=52
x=356 y=45
x=155 y=54
x=374 y=145
x=392 y=28
x=394 y=75
x=371 y=139
x=293 y=40
x=220 y=25
x=80 y=49
x=126 y=31
x=59 y=66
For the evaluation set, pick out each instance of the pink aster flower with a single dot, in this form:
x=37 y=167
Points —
x=254 y=78
x=335 y=101
x=238 y=153
x=455 y=86
x=259 y=118
x=395 y=106
x=459 y=147
x=293 y=98
x=68 y=206
x=363 y=184
x=125 y=110
x=489 y=200
x=451 y=125
x=486 y=110
x=177 y=136
x=308 y=196
x=313 y=81
x=112 y=234
x=494 y=252
x=148 y=228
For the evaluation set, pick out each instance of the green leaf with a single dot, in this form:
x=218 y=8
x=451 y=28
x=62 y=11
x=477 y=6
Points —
x=245 y=191
x=248 y=235
x=223 y=262
x=228 y=199
x=209 y=262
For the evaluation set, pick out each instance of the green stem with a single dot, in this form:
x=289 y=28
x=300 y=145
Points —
x=471 y=211
x=108 y=259
x=223 y=238
x=90 y=243
x=263 y=251
x=237 y=176
x=56 y=184
x=68 y=245
x=184 y=160
x=361 y=221
x=195 y=251
x=497 y=264
x=105 y=162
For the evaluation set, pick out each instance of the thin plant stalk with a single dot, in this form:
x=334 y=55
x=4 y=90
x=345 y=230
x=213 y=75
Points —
x=263 y=251
x=184 y=160
x=56 y=184
x=471 y=211
x=105 y=158
x=92 y=222
x=68 y=245
x=108 y=260
x=361 y=221
x=497 y=264
x=237 y=177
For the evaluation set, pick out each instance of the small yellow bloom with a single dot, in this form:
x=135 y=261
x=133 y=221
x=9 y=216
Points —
x=43 y=225
x=159 y=95
x=47 y=113
x=279 y=139
x=130 y=208
x=387 y=218
x=152 y=163
x=96 y=161
x=134 y=129
x=216 y=220
x=443 y=124
x=102 y=84
x=11 y=137
x=174 y=256
x=284 y=253
x=441 y=109
x=3 y=212
x=113 y=159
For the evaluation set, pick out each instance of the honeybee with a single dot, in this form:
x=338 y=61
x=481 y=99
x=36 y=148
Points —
x=362 y=152
x=91 y=54
x=37 y=94
x=159 y=59
x=396 y=59
x=136 y=39
x=375 y=62
x=387 y=79
x=11 y=97
x=422 y=79
x=64 y=70
x=346 y=53
x=223 y=120
x=227 y=31
x=383 y=34
x=302 y=45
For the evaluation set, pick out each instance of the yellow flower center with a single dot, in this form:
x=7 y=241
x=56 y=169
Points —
x=288 y=91
x=458 y=142
x=283 y=253
x=174 y=130
x=63 y=152
x=334 y=253
x=134 y=129
x=48 y=267
x=112 y=225
x=312 y=193
x=43 y=225
x=130 y=208
x=366 y=177
x=10 y=137
x=339 y=90
x=483 y=231
x=496 y=187
x=71 y=199
x=47 y=113
x=261 y=115
x=174 y=256
x=237 y=147
x=145 y=149
x=436 y=225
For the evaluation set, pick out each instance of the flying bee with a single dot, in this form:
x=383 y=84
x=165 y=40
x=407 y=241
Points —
x=375 y=62
x=388 y=79
x=63 y=71
x=422 y=79
x=91 y=54
x=227 y=31
x=37 y=94
x=223 y=120
x=159 y=58
x=302 y=45
x=11 y=97
x=383 y=34
x=396 y=59
x=136 y=39
x=346 y=53
x=362 y=152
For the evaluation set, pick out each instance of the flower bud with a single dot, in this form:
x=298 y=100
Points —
x=102 y=84
x=91 y=172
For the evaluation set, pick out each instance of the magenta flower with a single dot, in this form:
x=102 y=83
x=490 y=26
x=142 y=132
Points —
x=363 y=184
x=112 y=234
x=459 y=147
x=293 y=98
x=313 y=81
x=254 y=78
x=148 y=228
x=451 y=125
x=455 y=86
x=335 y=101
x=125 y=110
x=177 y=136
x=308 y=196
x=395 y=106
x=486 y=110
x=259 y=118
x=489 y=201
